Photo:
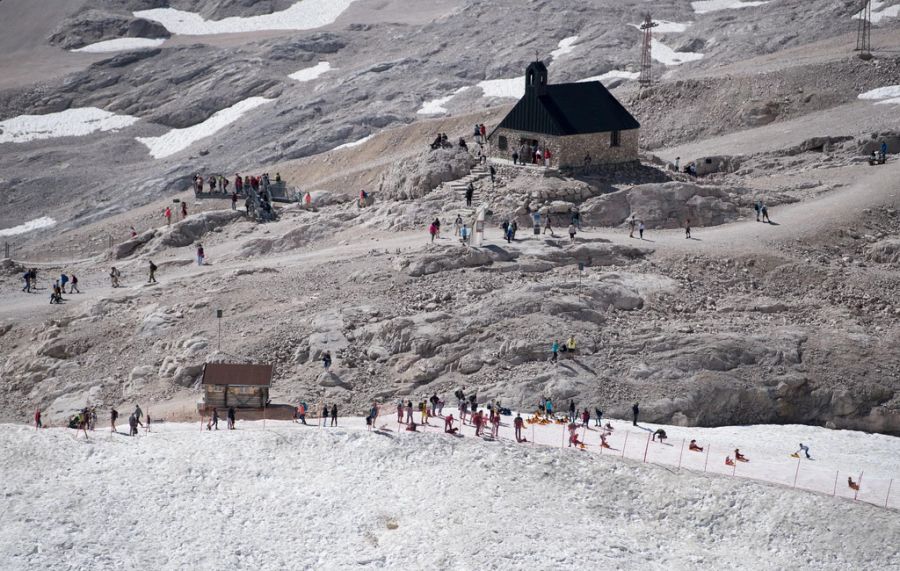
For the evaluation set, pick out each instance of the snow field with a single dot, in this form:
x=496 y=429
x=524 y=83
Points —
x=614 y=74
x=512 y=88
x=303 y=15
x=705 y=6
x=565 y=46
x=178 y=140
x=30 y=226
x=879 y=12
x=436 y=106
x=293 y=496
x=311 y=73
x=354 y=143
x=887 y=92
x=666 y=55
x=69 y=123
x=121 y=44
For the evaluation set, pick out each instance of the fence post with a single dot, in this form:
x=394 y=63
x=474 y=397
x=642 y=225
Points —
x=680 y=454
x=858 y=486
x=532 y=434
x=797 y=473
x=625 y=444
x=563 y=444
x=705 y=463
x=888 y=496
x=646 y=448
x=836 y=474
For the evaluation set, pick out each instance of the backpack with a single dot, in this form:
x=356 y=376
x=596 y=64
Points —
x=152 y=267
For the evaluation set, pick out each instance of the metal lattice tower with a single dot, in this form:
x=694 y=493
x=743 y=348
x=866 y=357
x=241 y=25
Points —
x=864 y=31
x=646 y=78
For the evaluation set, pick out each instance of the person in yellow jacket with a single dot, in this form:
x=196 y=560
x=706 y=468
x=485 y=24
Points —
x=570 y=344
x=423 y=407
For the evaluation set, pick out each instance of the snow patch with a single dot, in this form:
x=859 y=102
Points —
x=664 y=54
x=566 y=46
x=311 y=73
x=177 y=140
x=893 y=101
x=31 y=225
x=69 y=123
x=614 y=74
x=304 y=15
x=121 y=44
x=436 y=106
x=353 y=144
x=879 y=14
x=887 y=92
x=512 y=88
x=705 y=6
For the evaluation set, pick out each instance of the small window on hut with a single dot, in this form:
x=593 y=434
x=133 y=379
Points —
x=615 y=139
x=502 y=143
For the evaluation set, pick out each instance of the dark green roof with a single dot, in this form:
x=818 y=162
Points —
x=569 y=109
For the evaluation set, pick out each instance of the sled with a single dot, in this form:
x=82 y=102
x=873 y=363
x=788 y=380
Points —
x=795 y=455
x=729 y=462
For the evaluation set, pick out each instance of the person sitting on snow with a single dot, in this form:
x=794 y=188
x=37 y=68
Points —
x=739 y=456
x=729 y=461
x=603 y=443
x=448 y=425
x=853 y=485
x=411 y=427
x=693 y=446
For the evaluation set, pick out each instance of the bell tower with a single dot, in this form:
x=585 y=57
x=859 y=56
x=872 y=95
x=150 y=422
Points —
x=536 y=79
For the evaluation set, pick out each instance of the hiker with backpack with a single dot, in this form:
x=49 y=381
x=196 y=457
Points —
x=152 y=279
x=73 y=285
x=201 y=255
x=113 y=416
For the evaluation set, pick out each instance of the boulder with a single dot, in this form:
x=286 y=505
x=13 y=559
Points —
x=417 y=176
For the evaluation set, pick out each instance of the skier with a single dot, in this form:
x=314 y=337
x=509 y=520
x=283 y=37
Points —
x=518 y=423
x=334 y=414
x=573 y=436
x=231 y=418
x=804 y=449
x=113 y=415
x=635 y=410
x=152 y=279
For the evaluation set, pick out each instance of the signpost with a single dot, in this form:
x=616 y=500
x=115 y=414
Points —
x=219 y=321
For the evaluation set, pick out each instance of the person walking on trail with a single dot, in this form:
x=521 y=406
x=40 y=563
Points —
x=326 y=360
x=201 y=255
x=554 y=350
x=409 y=412
x=631 y=224
x=184 y=205
x=470 y=193
x=232 y=418
x=803 y=448
x=114 y=276
x=152 y=279
x=493 y=172
x=432 y=230
x=641 y=228
x=548 y=227
x=757 y=206
x=598 y=414
x=687 y=229
x=457 y=224
x=138 y=414
x=214 y=423
x=73 y=285
x=37 y=418
x=635 y=410
x=765 y=213
x=334 y=415
x=572 y=231
x=168 y=215
x=63 y=280
x=113 y=416
x=373 y=414
x=27 y=277
x=518 y=423
x=677 y=163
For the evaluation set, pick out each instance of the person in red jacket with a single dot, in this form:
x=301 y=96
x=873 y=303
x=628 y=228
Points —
x=448 y=425
x=37 y=418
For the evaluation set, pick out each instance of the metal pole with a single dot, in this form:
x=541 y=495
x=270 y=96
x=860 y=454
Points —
x=858 y=486
x=680 y=454
x=834 y=491
x=797 y=473
x=705 y=463
x=646 y=448
x=888 y=496
x=625 y=444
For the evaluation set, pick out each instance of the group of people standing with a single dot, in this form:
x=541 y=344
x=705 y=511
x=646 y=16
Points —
x=532 y=154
